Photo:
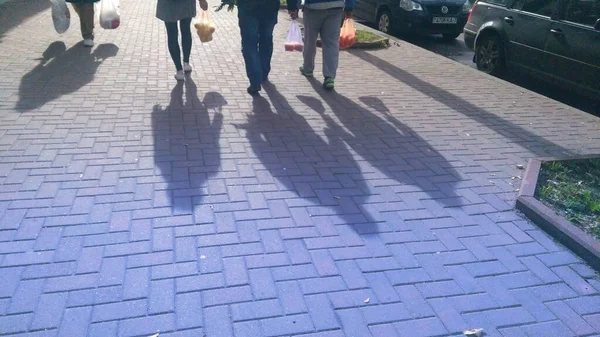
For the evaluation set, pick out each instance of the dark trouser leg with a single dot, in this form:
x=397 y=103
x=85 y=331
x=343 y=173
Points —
x=249 y=29
x=86 y=19
x=267 y=25
x=186 y=38
x=173 y=37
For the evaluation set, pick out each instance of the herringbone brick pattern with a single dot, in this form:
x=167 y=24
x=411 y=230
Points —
x=130 y=205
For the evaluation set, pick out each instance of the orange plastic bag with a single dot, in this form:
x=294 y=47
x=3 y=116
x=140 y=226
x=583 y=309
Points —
x=347 y=34
x=205 y=27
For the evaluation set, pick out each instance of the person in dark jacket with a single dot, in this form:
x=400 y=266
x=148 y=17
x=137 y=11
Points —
x=182 y=11
x=322 y=17
x=257 y=20
x=85 y=10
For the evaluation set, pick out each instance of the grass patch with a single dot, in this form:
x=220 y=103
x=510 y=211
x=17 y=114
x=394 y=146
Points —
x=572 y=188
x=364 y=36
x=283 y=2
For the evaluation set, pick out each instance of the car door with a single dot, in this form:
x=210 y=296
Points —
x=366 y=10
x=573 y=45
x=527 y=25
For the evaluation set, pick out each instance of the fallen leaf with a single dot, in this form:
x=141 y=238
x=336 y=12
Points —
x=474 y=332
x=155 y=335
x=520 y=166
x=336 y=197
x=367 y=300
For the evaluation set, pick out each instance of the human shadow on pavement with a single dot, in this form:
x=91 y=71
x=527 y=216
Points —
x=538 y=145
x=394 y=150
x=61 y=72
x=13 y=13
x=186 y=146
x=304 y=164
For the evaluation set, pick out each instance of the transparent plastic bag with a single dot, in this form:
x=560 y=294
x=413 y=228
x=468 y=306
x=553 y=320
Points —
x=348 y=34
x=61 y=16
x=205 y=27
x=293 y=40
x=110 y=16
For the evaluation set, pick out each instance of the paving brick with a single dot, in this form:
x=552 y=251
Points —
x=449 y=316
x=28 y=258
x=324 y=263
x=287 y=325
x=26 y=297
x=235 y=271
x=247 y=329
x=46 y=312
x=200 y=282
x=217 y=321
x=291 y=297
x=226 y=295
x=15 y=323
x=48 y=270
x=66 y=283
x=353 y=321
x=427 y=326
x=322 y=285
x=414 y=301
x=162 y=296
x=263 y=286
x=185 y=249
x=533 y=305
x=585 y=305
x=575 y=281
x=380 y=284
x=148 y=325
x=570 y=318
x=267 y=260
x=112 y=271
x=174 y=270
x=75 y=322
x=256 y=310
x=120 y=310
x=440 y=289
x=189 y=310
x=162 y=239
x=297 y=251
x=385 y=313
x=547 y=329
x=210 y=260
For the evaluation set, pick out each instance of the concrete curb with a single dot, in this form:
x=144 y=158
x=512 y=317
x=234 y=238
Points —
x=546 y=218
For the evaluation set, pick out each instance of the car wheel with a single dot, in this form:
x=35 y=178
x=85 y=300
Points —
x=384 y=21
x=489 y=55
x=451 y=36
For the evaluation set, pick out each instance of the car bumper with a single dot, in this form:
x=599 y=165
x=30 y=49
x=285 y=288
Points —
x=421 y=22
x=469 y=38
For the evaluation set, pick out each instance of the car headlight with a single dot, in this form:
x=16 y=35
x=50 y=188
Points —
x=466 y=7
x=409 y=5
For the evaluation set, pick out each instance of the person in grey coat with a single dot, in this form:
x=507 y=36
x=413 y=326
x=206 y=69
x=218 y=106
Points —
x=85 y=10
x=182 y=11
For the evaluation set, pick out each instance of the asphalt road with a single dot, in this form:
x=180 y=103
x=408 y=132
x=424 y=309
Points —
x=458 y=51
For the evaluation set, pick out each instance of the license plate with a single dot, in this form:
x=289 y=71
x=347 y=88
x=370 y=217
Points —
x=445 y=21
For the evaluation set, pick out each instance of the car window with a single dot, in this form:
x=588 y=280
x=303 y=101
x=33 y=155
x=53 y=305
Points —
x=541 y=7
x=584 y=12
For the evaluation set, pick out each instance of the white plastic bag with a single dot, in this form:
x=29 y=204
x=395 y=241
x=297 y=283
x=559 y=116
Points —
x=110 y=16
x=61 y=16
x=293 y=40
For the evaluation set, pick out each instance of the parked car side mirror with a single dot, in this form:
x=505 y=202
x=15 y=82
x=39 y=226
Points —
x=597 y=25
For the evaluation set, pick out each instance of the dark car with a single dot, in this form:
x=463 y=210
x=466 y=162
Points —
x=446 y=17
x=559 y=40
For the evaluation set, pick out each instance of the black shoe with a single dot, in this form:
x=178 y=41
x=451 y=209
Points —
x=253 y=91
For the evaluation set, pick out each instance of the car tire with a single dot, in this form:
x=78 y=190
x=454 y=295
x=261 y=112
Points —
x=384 y=21
x=450 y=36
x=489 y=54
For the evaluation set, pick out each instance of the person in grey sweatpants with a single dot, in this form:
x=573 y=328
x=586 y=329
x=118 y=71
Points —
x=324 y=18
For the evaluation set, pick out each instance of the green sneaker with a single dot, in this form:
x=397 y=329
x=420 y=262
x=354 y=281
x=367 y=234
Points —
x=329 y=83
x=305 y=73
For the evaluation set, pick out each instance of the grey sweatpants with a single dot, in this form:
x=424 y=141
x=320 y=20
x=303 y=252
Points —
x=326 y=23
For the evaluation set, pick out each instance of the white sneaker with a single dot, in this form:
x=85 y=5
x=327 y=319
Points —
x=187 y=68
x=88 y=43
x=180 y=75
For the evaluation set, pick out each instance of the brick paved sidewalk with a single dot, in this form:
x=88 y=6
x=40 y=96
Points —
x=130 y=205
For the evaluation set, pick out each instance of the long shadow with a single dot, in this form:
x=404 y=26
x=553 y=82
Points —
x=60 y=72
x=322 y=171
x=186 y=146
x=538 y=145
x=13 y=13
x=393 y=149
